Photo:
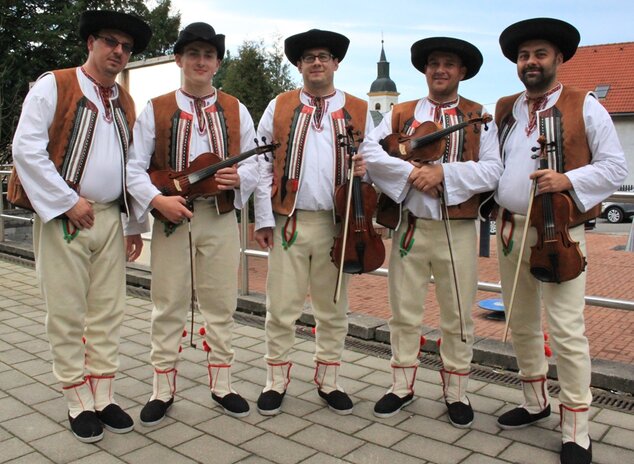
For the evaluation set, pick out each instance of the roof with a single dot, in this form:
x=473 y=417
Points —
x=608 y=64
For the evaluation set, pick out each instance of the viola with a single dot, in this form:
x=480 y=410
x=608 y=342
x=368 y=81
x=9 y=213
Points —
x=358 y=248
x=428 y=142
x=196 y=181
x=555 y=257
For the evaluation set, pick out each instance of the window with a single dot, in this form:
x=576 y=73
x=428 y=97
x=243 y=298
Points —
x=601 y=90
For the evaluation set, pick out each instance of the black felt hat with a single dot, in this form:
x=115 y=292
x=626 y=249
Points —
x=92 y=21
x=200 y=32
x=563 y=35
x=468 y=53
x=295 y=45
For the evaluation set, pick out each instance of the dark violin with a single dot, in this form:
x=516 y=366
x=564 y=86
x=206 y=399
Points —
x=358 y=248
x=197 y=180
x=555 y=257
x=427 y=143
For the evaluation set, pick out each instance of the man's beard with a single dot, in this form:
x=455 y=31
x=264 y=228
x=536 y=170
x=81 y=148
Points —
x=537 y=83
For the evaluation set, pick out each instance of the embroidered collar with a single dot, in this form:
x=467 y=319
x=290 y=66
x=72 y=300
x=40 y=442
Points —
x=536 y=104
x=199 y=108
x=104 y=92
x=321 y=107
x=438 y=107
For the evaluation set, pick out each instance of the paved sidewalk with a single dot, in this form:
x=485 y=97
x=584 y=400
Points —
x=34 y=428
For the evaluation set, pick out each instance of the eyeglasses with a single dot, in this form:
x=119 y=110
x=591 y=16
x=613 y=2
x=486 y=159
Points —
x=112 y=43
x=322 y=57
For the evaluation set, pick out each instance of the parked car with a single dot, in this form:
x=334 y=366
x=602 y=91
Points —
x=616 y=212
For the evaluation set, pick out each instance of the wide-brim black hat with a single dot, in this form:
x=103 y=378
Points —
x=295 y=45
x=200 y=32
x=92 y=21
x=563 y=35
x=468 y=53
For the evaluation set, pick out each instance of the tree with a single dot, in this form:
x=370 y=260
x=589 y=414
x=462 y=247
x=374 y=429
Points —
x=255 y=76
x=40 y=35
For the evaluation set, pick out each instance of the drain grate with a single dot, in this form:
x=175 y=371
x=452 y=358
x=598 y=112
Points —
x=602 y=398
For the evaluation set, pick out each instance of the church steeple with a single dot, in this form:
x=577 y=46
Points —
x=383 y=94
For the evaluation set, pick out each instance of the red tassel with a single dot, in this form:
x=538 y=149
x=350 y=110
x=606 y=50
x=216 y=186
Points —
x=439 y=342
x=314 y=330
x=545 y=337
x=184 y=333
x=83 y=340
x=547 y=351
x=206 y=347
x=180 y=349
x=202 y=331
x=422 y=341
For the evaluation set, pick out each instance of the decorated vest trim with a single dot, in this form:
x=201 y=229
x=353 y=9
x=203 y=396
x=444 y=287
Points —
x=292 y=121
x=564 y=129
x=462 y=145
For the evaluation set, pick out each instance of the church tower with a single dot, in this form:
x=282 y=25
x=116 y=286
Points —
x=383 y=94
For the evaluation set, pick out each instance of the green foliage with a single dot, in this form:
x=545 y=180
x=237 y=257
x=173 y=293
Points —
x=41 y=35
x=255 y=76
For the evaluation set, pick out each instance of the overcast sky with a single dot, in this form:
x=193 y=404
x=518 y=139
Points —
x=400 y=24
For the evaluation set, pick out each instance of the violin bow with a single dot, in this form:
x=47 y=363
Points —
x=346 y=221
x=463 y=330
x=531 y=196
x=194 y=296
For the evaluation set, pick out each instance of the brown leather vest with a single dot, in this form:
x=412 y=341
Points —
x=61 y=130
x=167 y=113
x=286 y=105
x=388 y=212
x=575 y=149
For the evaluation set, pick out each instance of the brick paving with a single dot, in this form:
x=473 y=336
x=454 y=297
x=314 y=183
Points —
x=34 y=428
x=610 y=275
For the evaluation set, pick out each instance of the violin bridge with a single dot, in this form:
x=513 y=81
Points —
x=177 y=185
x=402 y=149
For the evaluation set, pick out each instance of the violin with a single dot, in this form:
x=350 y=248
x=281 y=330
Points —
x=555 y=257
x=358 y=248
x=196 y=181
x=428 y=142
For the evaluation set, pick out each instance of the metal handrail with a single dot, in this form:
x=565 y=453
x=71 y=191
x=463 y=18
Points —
x=483 y=286
x=245 y=253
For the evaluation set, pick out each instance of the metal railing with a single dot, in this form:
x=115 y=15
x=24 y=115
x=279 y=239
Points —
x=246 y=253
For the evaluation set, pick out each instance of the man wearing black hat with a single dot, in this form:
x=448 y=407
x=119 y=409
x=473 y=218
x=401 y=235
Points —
x=586 y=162
x=434 y=205
x=172 y=131
x=298 y=186
x=70 y=149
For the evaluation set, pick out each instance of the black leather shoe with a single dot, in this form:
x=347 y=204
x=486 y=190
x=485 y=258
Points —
x=233 y=404
x=519 y=417
x=571 y=453
x=390 y=404
x=270 y=402
x=460 y=414
x=86 y=427
x=338 y=401
x=154 y=412
x=115 y=419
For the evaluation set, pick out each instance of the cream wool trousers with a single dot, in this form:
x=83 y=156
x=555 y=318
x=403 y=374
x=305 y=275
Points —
x=563 y=304
x=216 y=250
x=305 y=265
x=409 y=279
x=83 y=285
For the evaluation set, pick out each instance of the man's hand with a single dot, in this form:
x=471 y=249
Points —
x=81 y=215
x=264 y=237
x=133 y=247
x=427 y=178
x=228 y=178
x=172 y=207
x=549 y=181
x=359 y=165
